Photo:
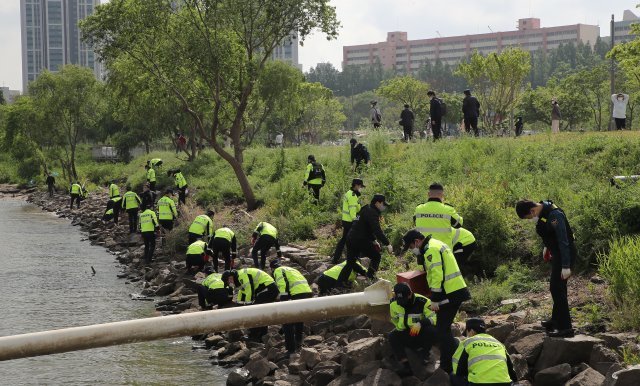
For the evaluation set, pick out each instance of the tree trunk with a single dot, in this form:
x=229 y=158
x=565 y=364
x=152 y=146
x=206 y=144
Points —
x=72 y=163
x=247 y=190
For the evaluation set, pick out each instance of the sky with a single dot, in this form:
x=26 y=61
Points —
x=369 y=21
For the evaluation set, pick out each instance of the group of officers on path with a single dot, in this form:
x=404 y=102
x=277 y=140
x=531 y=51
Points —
x=438 y=241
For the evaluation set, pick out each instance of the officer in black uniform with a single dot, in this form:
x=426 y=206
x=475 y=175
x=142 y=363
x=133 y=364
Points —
x=359 y=154
x=553 y=227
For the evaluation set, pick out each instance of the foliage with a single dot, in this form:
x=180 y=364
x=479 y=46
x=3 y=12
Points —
x=407 y=90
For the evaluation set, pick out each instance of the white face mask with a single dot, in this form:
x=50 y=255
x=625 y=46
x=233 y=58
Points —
x=415 y=251
x=382 y=208
x=534 y=219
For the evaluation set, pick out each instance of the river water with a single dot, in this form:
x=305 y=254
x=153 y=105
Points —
x=46 y=283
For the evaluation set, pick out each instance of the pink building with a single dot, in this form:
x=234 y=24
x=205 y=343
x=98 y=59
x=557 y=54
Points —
x=402 y=54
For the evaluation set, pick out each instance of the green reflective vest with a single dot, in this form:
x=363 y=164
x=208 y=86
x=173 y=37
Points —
x=155 y=161
x=131 y=200
x=334 y=272
x=148 y=221
x=437 y=219
x=181 y=182
x=442 y=268
x=213 y=281
x=198 y=247
x=167 y=208
x=114 y=191
x=250 y=279
x=419 y=310
x=116 y=199
x=202 y=225
x=350 y=206
x=264 y=228
x=76 y=189
x=224 y=233
x=151 y=175
x=290 y=281
x=487 y=360
x=462 y=236
x=314 y=181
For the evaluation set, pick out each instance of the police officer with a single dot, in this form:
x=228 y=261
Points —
x=155 y=162
x=167 y=212
x=435 y=218
x=350 y=209
x=553 y=227
x=131 y=204
x=148 y=227
x=151 y=177
x=113 y=209
x=361 y=240
x=330 y=278
x=464 y=243
x=414 y=321
x=114 y=190
x=263 y=238
x=255 y=287
x=224 y=242
x=181 y=184
x=201 y=227
x=448 y=288
x=197 y=255
x=148 y=196
x=435 y=114
x=359 y=154
x=76 y=194
x=481 y=359
x=213 y=291
x=314 y=177
x=292 y=286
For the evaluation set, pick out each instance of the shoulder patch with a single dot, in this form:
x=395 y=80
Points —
x=554 y=222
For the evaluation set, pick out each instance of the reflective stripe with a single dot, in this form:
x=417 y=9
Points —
x=454 y=360
x=295 y=283
x=486 y=358
x=438 y=264
x=445 y=301
x=452 y=276
x=456 y=237
x=242 y=287
x=443 y=248
x=433 y=230
x=480 y=338
x=244 y=302
x=346 y=212
x=434 y=215
x=436 y=289
x=413 y=316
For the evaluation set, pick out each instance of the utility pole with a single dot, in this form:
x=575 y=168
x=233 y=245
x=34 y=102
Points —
x=613 y=74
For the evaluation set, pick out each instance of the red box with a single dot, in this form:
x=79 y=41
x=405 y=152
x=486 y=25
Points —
x=417 y=280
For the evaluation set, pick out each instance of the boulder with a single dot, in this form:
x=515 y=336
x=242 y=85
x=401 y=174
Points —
x=608 y=379
x=418 y=368
x=566 y=350
x=360 y=351
x=588 y=377
x=165 y=289
x=258 y=368
x=615 y=340
x=213 y=340
x=358 y=334
x=520 y=366
x=362 y=321
x=238 y=377
x=310 y=357
x=502 y=331
x=602 y=358
x=627 y=377
x=522 y=331
x=366 y=368
x=439 y=378
x=553 y=376
x=529 y=347
x=313 y=340
x=321 y=377
x=383 y=377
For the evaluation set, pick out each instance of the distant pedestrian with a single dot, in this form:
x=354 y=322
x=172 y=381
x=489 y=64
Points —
x=435 y=112
x=314 y=177
x=279 y=140
x=471 y=112
x=131 y=204
x=359 y=154
x=519 y=126
x=148 y=197
x=51 y=184
x=151 y=177
x=556 y=116
x=620 y=110
x=350 y=209
x=375 y=115
x=148 y=227
x=76 y=194
x=407 y=119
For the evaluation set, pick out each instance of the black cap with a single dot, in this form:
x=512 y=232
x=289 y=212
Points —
x=210 y=212
x=358 y=181
x=208 y=270
x=169 y=191
x=379 y=198
x=436 y=186
x=353 y=141
x=402 y=290
x=311 y=157
x=467 y=92
x=475 y=324
x=408 y=238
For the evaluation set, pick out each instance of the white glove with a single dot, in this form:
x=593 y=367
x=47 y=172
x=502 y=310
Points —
x=390 y=249
x=566 y=273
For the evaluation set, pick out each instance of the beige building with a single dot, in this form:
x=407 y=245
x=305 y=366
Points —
x=622 y=29
x=402 y=54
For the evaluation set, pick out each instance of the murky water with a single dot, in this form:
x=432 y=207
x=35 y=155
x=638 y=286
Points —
x=46 y=283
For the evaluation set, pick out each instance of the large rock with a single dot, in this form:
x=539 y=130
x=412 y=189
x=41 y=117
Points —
x=529 y=347
x=259 y=368
x=238 y=377
x=608 y=379
x=418 y=368
x=520 y=366
x=627 y=377
x=383 y=377
x=553 y=376
x=165 y=289
x=358 y=334
x=566 y=350
x=502 y=331
x=360 y=351
x=310 y=357
x=602 y=358
x=588 y=377
x=615 y=340
x=439 y=378
x=522 y=331
x=366 y=368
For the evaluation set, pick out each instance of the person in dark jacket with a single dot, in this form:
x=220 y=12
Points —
x=406 y=121
x=148 y=197
x=471 y=112
x=51 y=184
x=519 y=126
x=359 y=154
x=435 y=112
x=552 y=226
x=361 y=240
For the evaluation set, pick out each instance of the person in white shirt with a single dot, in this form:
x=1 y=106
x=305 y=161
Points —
x=620 y=110
x=279 y=139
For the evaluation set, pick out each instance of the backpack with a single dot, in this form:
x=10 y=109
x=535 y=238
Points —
x=443 y=107
x=316 y=171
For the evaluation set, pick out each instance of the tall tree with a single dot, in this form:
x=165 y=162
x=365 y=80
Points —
x=208 y=53
x=407 y=90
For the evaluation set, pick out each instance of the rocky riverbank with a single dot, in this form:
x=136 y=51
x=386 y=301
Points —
x=345 y=351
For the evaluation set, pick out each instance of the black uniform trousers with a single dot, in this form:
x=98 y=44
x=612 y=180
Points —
x=193 y=237
x=355 y=249
x=51 y=189
x=166 y=224
x=400 y=340
x=182 y=195
x=221 y=246
x=314 y=189
x=149 y=239
x=264 y=295
x=326 y=284
x=75 y=197
x=346 y=226
x=407 y=132
x=471 y=123
x=263 y=244
x=293 y=331
x=621 y=123
x=436 y=129
x=133 y=219
x=219 y=297
x=448 y=344
x=560 y=314
x=195 y=260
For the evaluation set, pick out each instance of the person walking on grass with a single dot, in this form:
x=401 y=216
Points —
x=407 y=119
x=620 y=102
x=556 y=116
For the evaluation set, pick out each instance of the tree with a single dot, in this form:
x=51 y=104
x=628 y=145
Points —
x=498 y=81
x=208 y=53
x=593 y=84
x=321 y=114
x=2 y=100
x=325 y=74
x=407 y=90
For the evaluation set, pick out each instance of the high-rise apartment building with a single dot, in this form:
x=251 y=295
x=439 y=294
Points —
x=402 y=54
x=622 y=29
x=287 y=51
x=51 y=36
